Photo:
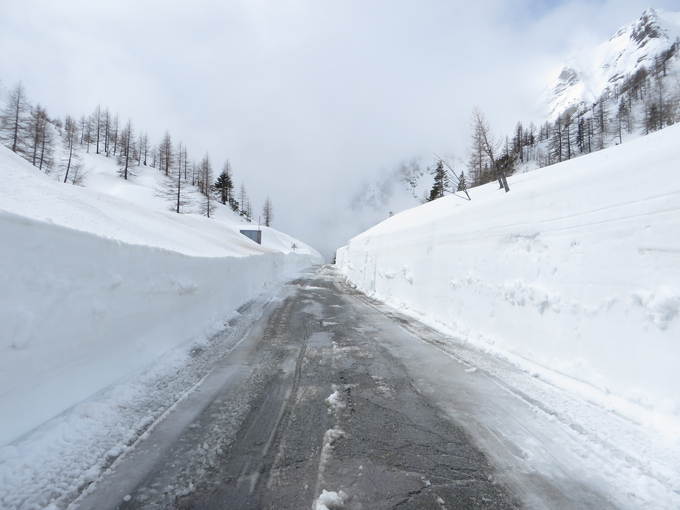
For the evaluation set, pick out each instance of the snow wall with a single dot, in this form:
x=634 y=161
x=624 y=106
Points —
x=79 y=311
x=577 y=269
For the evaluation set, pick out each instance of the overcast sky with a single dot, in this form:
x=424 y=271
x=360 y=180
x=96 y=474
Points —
x=307 y=98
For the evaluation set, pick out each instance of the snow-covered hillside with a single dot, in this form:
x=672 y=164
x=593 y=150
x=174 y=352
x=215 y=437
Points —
x=629 y=105
x=97 y=282
x=591 y=71
x=572 y=275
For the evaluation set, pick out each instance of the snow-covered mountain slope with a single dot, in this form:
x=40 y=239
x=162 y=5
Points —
x=574 y=271
x=591 y=71
x=97 y=283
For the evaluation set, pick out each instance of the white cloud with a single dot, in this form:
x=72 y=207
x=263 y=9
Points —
x=305 y=97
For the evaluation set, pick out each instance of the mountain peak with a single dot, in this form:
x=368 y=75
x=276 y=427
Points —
x=591 y=71
x=646 y=28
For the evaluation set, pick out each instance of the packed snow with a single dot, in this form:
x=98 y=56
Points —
x=98 y=282
x=573 y=277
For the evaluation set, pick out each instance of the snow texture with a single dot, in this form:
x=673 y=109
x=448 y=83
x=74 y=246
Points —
x=574 y=271
x=97 y=283
x=331 y=500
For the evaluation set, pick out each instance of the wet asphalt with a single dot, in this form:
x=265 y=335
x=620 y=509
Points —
x=311 y=400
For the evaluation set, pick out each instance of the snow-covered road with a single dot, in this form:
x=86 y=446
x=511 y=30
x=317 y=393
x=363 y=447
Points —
x=316 y=396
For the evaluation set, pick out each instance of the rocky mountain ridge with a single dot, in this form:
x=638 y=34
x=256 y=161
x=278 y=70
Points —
x=591 y=71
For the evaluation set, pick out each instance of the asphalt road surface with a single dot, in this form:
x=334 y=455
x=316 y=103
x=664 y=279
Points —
x=331 y=398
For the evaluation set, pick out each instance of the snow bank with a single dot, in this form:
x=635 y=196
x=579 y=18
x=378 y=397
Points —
x=576 y=269
x=93 y=288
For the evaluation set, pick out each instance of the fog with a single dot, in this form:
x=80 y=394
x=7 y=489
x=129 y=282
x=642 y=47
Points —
x=309 y=100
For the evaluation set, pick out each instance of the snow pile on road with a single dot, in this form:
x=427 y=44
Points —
x=94 y=286
x=331 y=500
x=575 y=271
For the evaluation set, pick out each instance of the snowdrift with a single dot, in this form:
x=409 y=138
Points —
x=576 y=270
x=93 y=288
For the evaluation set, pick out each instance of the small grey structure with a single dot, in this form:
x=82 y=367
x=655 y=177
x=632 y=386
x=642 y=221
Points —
x=255 y=235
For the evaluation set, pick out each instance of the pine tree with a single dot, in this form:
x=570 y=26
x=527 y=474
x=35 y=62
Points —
x=462 y=185
x=652 y=116
x=441 y=182
x=225 y=185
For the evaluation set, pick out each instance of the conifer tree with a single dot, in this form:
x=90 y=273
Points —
x=462 y=183
x=441 y=182
x=225 y=185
